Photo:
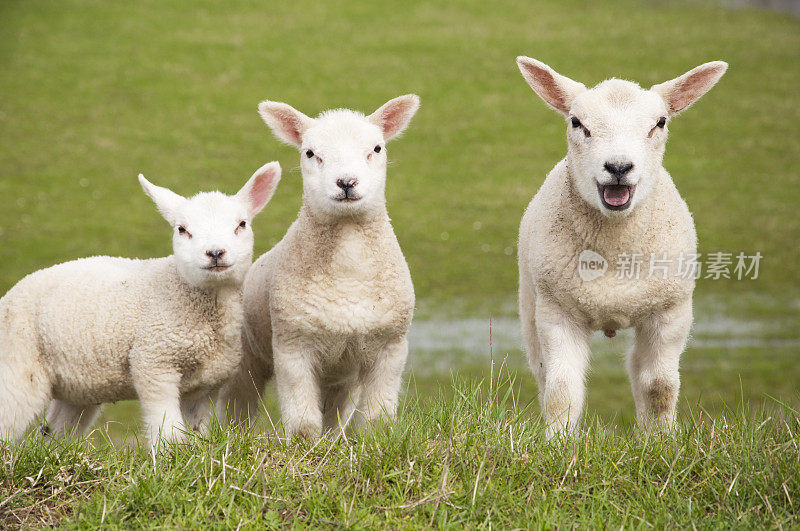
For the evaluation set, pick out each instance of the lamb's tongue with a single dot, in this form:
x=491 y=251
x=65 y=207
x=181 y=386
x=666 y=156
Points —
x=616 y=194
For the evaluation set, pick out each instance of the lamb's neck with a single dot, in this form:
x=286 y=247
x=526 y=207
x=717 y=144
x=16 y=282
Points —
x=328 y=232
x=596 y=229
x=224 y=300
x=343 y=247
x=227 y=299
x=226 y=304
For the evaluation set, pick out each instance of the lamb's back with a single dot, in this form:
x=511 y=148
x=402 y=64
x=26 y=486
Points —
x=84 y=317
x=88 y=316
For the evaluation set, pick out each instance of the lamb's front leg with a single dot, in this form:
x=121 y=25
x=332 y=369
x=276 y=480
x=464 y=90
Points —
x=381 y=382
x=159 y=395
x=298 y=388
x=654 y=363
x=564 y=348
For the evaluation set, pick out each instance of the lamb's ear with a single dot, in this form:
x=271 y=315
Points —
x=167 y=201
x=257 y=192
x=682 y=91
x=394 y=115
x=286 y=122
x=556 y=90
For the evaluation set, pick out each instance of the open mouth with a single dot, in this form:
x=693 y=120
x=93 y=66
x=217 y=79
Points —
x=616 y=196
x=217 y=267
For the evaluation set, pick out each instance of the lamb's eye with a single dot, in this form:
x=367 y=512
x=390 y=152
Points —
x=309 y=154
x=377 y=149
x=243 y=224
x=661 y=122
x=181 y=229
x=577 y=123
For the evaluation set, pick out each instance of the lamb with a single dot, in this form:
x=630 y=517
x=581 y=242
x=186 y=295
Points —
x=166 y=330
x=327 y=310
x=609 y=201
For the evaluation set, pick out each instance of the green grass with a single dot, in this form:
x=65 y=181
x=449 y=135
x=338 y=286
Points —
x=713 y=379
x=476 y=458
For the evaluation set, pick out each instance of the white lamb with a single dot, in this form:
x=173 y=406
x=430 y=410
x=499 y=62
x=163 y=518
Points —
x=166 y=331
x=609 y=196
x=328 y=308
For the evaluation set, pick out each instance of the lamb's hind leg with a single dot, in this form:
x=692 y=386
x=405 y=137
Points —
x=240 y=399
x=339 y=406
x=653 y=365
x=25 y=390
x=196 y=410
x=63 y=417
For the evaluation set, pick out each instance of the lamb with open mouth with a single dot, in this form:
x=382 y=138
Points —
x=616 y=137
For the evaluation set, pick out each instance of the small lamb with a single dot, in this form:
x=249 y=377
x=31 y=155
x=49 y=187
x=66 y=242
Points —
x=327 y=310
x=166 y=331
x=609 y=199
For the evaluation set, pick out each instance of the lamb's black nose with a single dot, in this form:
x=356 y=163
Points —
x=618 y=169
x=216 y=254
x=346 y=184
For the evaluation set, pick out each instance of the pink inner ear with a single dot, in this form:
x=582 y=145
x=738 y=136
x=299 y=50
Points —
x=554 y=93
x=686 y=93
x=290 y=124
x=391 y=119
x=690 y=90
x=260 y=191
x=548 y=88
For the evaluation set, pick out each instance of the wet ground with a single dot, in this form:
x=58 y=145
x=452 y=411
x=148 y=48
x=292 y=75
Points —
x=718 y=324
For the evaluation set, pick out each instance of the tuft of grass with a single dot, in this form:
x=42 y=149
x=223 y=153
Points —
x=472 y=456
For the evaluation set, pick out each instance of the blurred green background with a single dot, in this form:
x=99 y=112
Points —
x=92 y=93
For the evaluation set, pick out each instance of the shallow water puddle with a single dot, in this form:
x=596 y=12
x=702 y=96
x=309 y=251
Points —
x=712 y=329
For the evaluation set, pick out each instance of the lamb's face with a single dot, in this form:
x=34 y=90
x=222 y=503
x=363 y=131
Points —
x=342 y=153
x=616 y=132
x=616 y=135
x=343 y=160
x=212 y=238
